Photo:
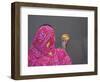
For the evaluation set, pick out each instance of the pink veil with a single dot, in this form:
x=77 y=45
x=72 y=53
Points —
x=43 y=52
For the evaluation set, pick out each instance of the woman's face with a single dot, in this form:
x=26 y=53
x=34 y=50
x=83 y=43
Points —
x=44 y=38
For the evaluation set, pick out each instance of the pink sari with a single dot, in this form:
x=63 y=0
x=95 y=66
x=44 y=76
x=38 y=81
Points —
x=43 y=52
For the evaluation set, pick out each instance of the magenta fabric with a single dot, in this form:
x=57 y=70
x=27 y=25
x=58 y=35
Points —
x=43 y=52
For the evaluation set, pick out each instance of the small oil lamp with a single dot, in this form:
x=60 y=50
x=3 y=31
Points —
x=65 y=38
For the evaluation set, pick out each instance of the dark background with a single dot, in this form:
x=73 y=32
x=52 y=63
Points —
x=76 y=27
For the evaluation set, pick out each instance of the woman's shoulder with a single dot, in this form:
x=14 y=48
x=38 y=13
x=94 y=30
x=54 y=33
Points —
x=61 y=50
x=63 y=56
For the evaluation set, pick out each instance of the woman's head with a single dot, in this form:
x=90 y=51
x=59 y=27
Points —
x=44 y=38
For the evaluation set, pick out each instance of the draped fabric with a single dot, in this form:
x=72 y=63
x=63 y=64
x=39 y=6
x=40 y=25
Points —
x=43 y=51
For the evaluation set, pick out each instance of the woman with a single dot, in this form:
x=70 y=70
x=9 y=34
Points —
x=43 y=52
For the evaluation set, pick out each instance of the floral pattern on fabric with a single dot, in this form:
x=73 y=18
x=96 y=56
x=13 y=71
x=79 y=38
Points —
x=43 y=51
